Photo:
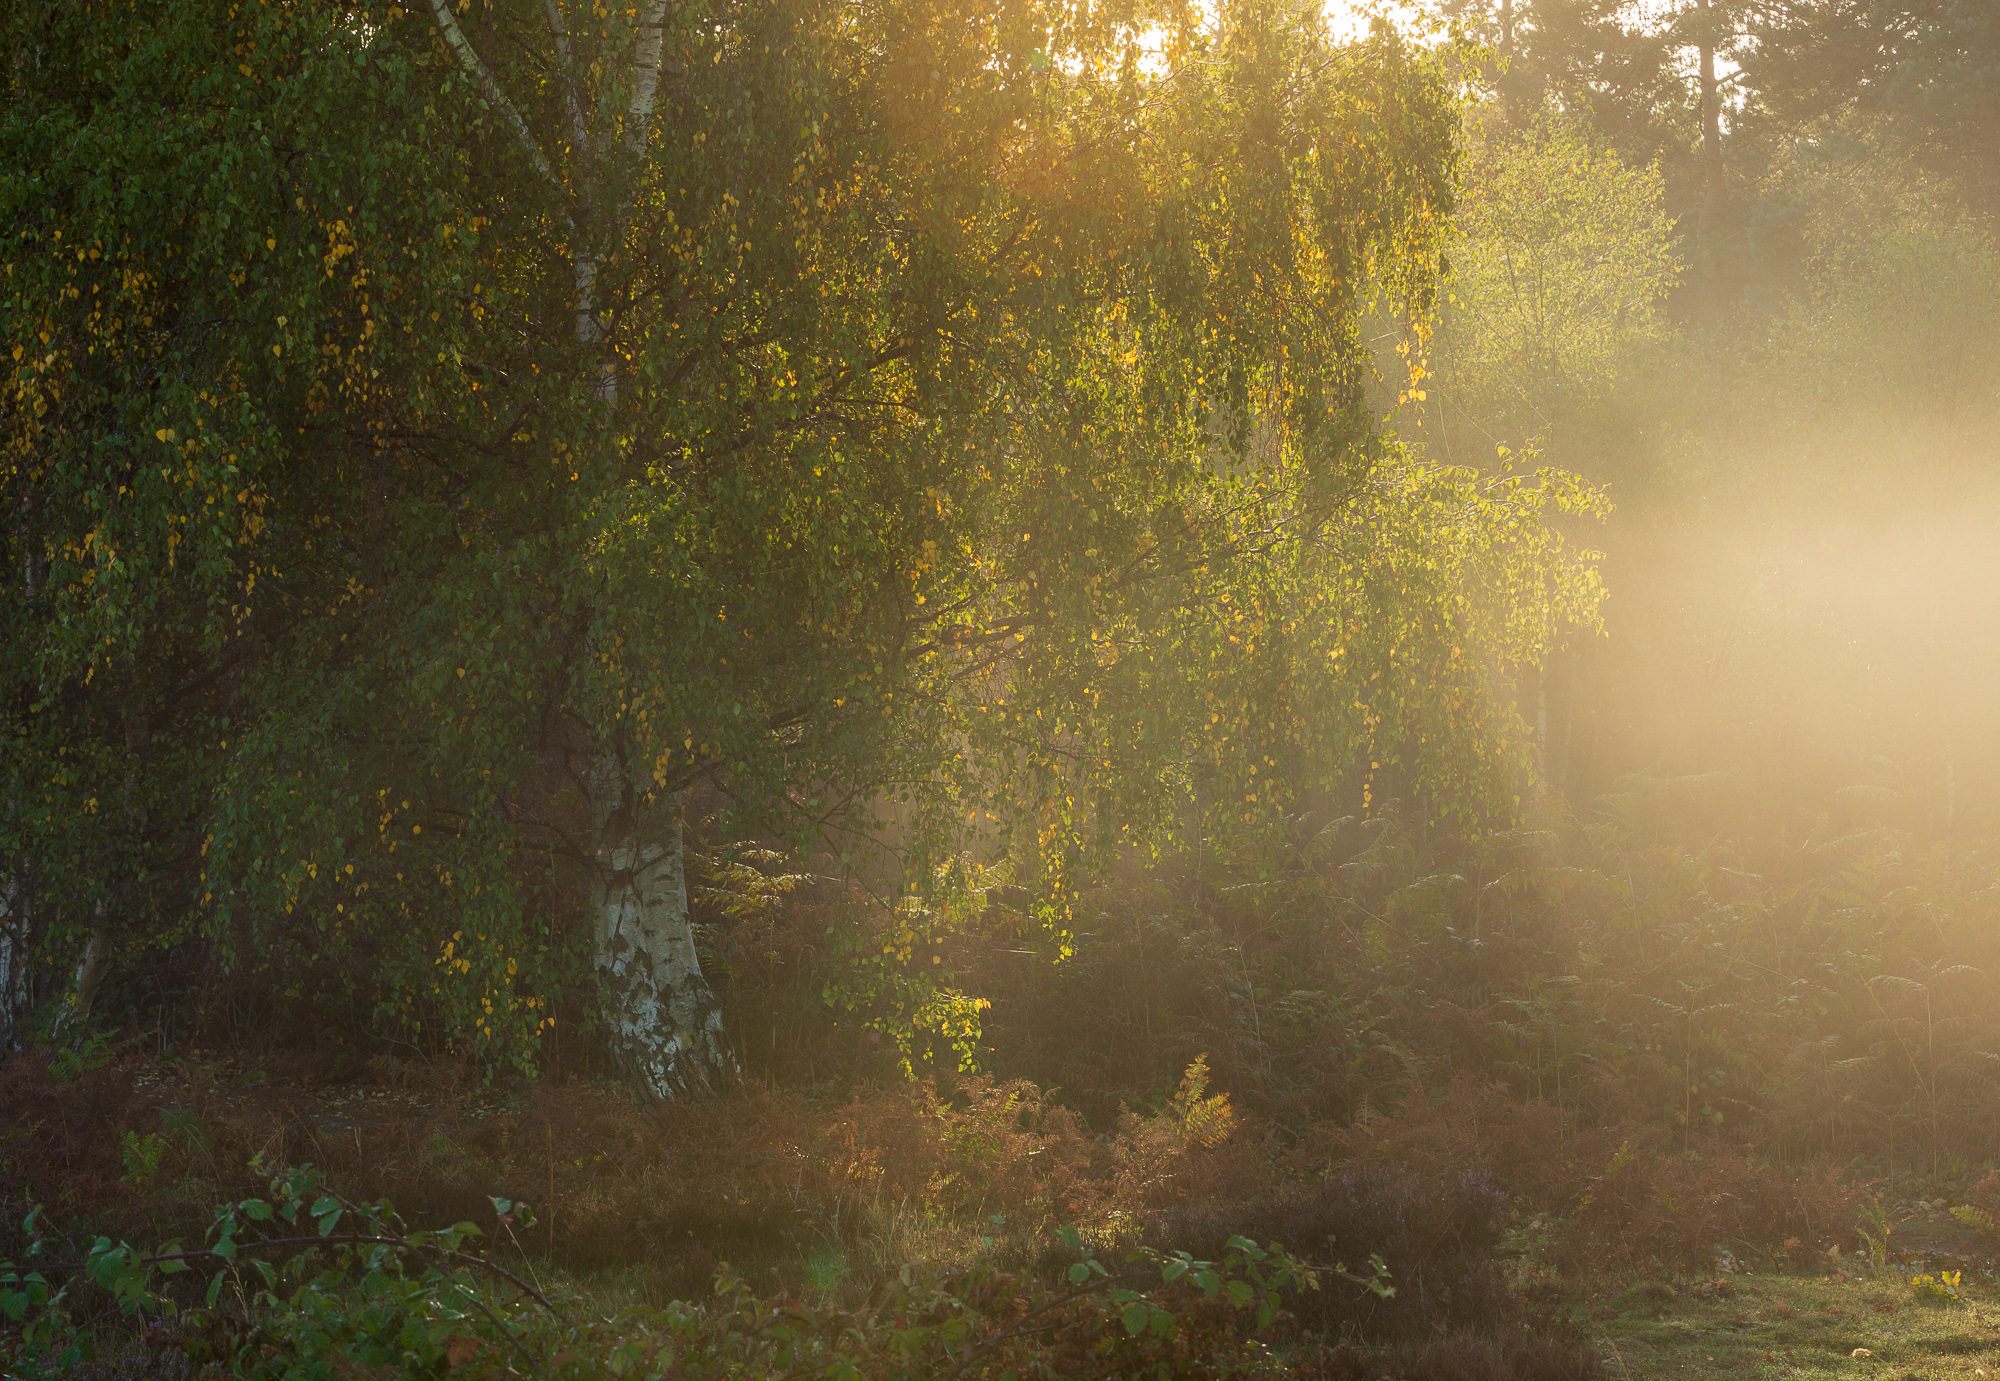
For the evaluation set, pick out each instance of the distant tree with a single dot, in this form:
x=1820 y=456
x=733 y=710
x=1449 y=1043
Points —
x=1614 y=70
x=1901 y=320
x=1918 y=78
x=1709 y=27
x=1565 y=258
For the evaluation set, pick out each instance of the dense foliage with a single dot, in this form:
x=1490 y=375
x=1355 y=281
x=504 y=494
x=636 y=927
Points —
x=963 y=420
x=1033 y=592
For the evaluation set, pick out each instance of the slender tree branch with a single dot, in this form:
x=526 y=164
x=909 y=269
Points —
x=468 y=58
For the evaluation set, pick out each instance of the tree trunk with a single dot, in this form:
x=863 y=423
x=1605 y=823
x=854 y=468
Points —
x=90 y=971
x=1506 y=81
x=1542 y=725
x=16 y=939
x=1708 y=225
x=662 y=1022
x=14 y=950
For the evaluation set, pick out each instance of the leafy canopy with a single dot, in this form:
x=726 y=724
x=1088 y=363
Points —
x=974 y=417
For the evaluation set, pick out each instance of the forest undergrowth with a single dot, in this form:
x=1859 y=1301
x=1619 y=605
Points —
x=1588 y=1053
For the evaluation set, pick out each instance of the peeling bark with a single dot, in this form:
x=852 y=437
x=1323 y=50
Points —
x=662 y=1022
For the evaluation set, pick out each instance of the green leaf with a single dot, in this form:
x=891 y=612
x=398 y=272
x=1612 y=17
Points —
x=1135 y=1318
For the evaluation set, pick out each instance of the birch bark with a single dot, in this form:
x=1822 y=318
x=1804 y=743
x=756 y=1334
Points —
x=662 y=1023
x=14 y=952
x=90 y=971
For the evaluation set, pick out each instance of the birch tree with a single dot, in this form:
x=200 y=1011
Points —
x=928 y=297
x=485 y=424
x=661 y=1019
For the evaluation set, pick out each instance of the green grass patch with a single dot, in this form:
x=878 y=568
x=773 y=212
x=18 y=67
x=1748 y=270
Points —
x=1771 y=1326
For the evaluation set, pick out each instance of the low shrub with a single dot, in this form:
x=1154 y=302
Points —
x=1647 y=1207
x=1436 y=1235
x=61 y=1141
x=308 y=1284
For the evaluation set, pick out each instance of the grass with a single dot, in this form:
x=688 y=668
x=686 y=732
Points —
x=1772 y=1326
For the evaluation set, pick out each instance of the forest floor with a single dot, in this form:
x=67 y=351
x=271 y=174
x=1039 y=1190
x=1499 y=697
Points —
x=1869 y=1324
x=1855 y=1318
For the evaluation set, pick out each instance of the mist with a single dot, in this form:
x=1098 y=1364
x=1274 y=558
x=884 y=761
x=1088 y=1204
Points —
x=953 y=693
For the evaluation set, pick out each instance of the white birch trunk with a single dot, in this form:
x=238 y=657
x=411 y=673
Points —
x=662 y=1023
x=90 y=971
x=14 y=953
